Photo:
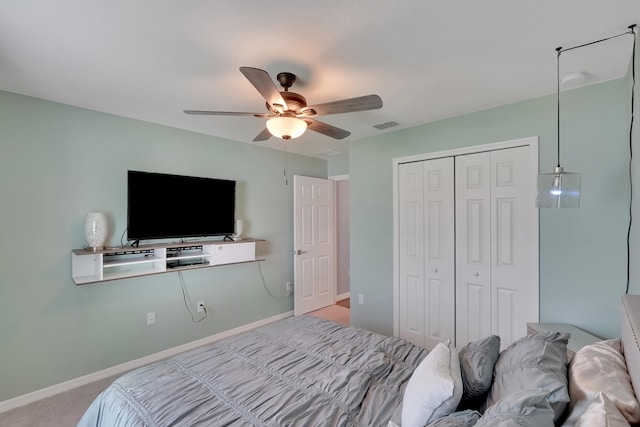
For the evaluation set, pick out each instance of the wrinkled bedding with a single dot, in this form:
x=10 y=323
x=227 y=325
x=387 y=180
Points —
x=301 y=371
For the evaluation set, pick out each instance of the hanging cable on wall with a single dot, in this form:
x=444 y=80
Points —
x=184 y=299
x=632 y=29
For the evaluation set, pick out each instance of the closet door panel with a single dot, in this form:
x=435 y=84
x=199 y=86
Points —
x=426 y=261
x=414 y=310
x=411 y=250
x=439 y=241
x=477 y=323
x=514 y=285
x=473 y=247
x=506 y=318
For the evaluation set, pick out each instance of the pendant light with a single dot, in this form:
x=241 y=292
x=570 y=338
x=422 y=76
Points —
x=558 y=189
x=561 y=189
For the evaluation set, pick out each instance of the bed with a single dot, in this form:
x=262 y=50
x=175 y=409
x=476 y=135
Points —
x=305 y=371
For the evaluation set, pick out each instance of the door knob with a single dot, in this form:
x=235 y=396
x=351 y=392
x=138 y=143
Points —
x=299 y=252
x=476 y=274
x=435 y=270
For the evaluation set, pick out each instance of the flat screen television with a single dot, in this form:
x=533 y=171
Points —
x=163 y=206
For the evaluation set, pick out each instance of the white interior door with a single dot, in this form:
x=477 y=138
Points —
x=314 y=244
x=427 y=264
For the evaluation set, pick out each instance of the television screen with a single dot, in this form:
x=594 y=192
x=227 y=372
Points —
x=168 y=206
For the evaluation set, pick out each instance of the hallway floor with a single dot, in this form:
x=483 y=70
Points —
x=339 y=313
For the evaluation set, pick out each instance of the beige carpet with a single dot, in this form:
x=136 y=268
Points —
x=61 y=410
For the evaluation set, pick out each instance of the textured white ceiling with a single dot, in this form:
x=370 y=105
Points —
x=427 y=59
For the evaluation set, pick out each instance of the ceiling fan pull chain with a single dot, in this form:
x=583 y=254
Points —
x=286 y=179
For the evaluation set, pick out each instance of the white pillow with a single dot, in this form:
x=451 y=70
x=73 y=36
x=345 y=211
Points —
x=434 y=389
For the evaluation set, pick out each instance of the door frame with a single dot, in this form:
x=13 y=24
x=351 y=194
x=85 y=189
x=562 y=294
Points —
x=531 y=142
x=345 y=177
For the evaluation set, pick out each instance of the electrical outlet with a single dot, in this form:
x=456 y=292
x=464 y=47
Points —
x=360 y=298
x=151 y=318
x=200 y=305
x=289 y=288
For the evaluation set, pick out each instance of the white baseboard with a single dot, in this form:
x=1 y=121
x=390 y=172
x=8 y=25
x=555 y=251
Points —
x=25 y=399
x=343 y=296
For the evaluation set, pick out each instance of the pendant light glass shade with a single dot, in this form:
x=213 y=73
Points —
x=286 y=127
x=558 y=189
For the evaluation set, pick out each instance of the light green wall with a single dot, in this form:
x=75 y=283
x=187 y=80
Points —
x=582 y=251
x=57 y=163
x=338 y=165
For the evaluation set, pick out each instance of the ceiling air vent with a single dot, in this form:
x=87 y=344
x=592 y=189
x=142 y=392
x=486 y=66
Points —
x=386 y=125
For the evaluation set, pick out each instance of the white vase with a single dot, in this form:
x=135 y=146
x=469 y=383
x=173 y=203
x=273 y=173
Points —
x=95 y=230
x=239 y=227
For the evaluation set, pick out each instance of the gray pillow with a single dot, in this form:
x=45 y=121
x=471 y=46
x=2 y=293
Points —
x=534 y=361
x=527 y=407
x=477 y=360
x=466 y=418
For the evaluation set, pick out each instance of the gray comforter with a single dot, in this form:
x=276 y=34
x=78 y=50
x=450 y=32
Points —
x=302 y=371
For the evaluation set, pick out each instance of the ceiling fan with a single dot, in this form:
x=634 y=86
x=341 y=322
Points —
x=288 y=113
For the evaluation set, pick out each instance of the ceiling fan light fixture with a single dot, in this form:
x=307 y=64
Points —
x=286 y=127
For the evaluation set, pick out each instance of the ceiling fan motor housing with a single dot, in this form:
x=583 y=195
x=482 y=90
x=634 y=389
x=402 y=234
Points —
x=295 y=102
x=286 y=80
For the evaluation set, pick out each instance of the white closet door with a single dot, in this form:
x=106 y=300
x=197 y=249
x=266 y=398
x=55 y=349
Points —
x=411 y=250
x=473 y=247
x=439 y=237
x=514 y=285
x=426 y=253
x=496 y=272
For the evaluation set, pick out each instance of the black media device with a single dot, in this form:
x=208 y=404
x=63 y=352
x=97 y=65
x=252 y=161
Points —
x=163 y=206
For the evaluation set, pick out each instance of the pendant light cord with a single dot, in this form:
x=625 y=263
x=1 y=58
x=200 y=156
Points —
x=632 y=29
x=559 y=49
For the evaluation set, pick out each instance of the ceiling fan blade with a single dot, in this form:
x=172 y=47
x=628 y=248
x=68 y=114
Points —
x=361 y=103
x=263 y=136
x=224 y=113
x=260 y=80
x=326 y=129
